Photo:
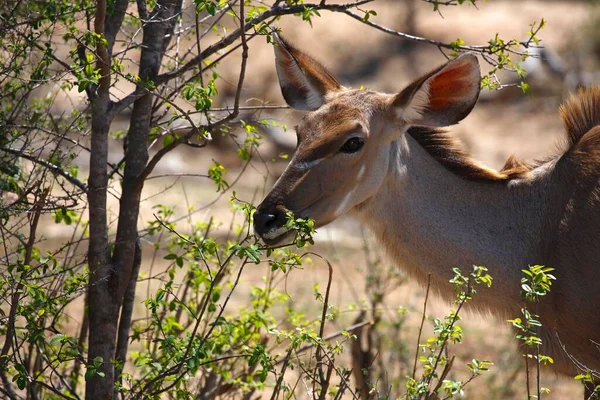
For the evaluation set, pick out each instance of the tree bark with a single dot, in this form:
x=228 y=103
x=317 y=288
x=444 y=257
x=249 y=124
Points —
x=160 y=23
x=127 y=253
x=112 y=277
x=126 y=315
x=103 y=282
x=113 y=21
x=103 y=310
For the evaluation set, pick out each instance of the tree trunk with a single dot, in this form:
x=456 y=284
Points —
x=103 y=302
x=102 y=307
x=112 y=277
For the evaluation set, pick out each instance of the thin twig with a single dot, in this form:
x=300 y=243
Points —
x=52 y=167
x=332 y=336
x=282 y=373
x=318 y=356
x=11 y=333
x=421 y=326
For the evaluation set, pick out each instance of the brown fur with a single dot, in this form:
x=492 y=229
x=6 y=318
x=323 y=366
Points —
x=581 y=113
x=319 y=76
x=309 y=75
x=448 y=152
x=515 y=167
x=429 y=217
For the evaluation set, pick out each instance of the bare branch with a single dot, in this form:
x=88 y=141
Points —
x=275 y=11
x=421 y=325
x=46 y=164
x=103 y=60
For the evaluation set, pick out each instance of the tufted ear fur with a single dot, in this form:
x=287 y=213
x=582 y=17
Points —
x=444 y=96
x=304 y=81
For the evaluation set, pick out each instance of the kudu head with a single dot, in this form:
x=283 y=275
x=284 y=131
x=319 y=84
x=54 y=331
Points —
x=345 y=139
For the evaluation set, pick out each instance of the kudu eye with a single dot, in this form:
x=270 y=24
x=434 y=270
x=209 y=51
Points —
x=352 y=145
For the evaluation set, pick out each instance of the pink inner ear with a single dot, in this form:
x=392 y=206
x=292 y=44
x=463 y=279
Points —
x=451 y=86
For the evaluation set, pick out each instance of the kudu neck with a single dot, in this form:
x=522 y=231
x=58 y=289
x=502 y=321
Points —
x=431 y=220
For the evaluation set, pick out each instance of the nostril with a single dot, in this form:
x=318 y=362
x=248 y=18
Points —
x=264 y=220
x=269 y=220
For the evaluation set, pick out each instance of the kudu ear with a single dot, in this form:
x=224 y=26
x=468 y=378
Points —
x=304 y=81
x=444 y=96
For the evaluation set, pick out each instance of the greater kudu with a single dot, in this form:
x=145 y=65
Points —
x=383 y=158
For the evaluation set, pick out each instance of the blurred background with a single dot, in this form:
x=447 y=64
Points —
x=503 y=123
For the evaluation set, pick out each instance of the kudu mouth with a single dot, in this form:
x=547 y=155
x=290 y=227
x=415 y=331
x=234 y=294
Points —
x=269 y=223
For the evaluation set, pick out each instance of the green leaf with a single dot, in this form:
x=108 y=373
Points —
x=168 y=139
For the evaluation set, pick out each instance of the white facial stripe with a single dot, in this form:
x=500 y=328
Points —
x=308 y=164
x=361 y=172
x=275 y=233
x=342 y=207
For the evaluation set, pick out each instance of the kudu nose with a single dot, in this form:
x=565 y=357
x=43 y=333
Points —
x=266 y=219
